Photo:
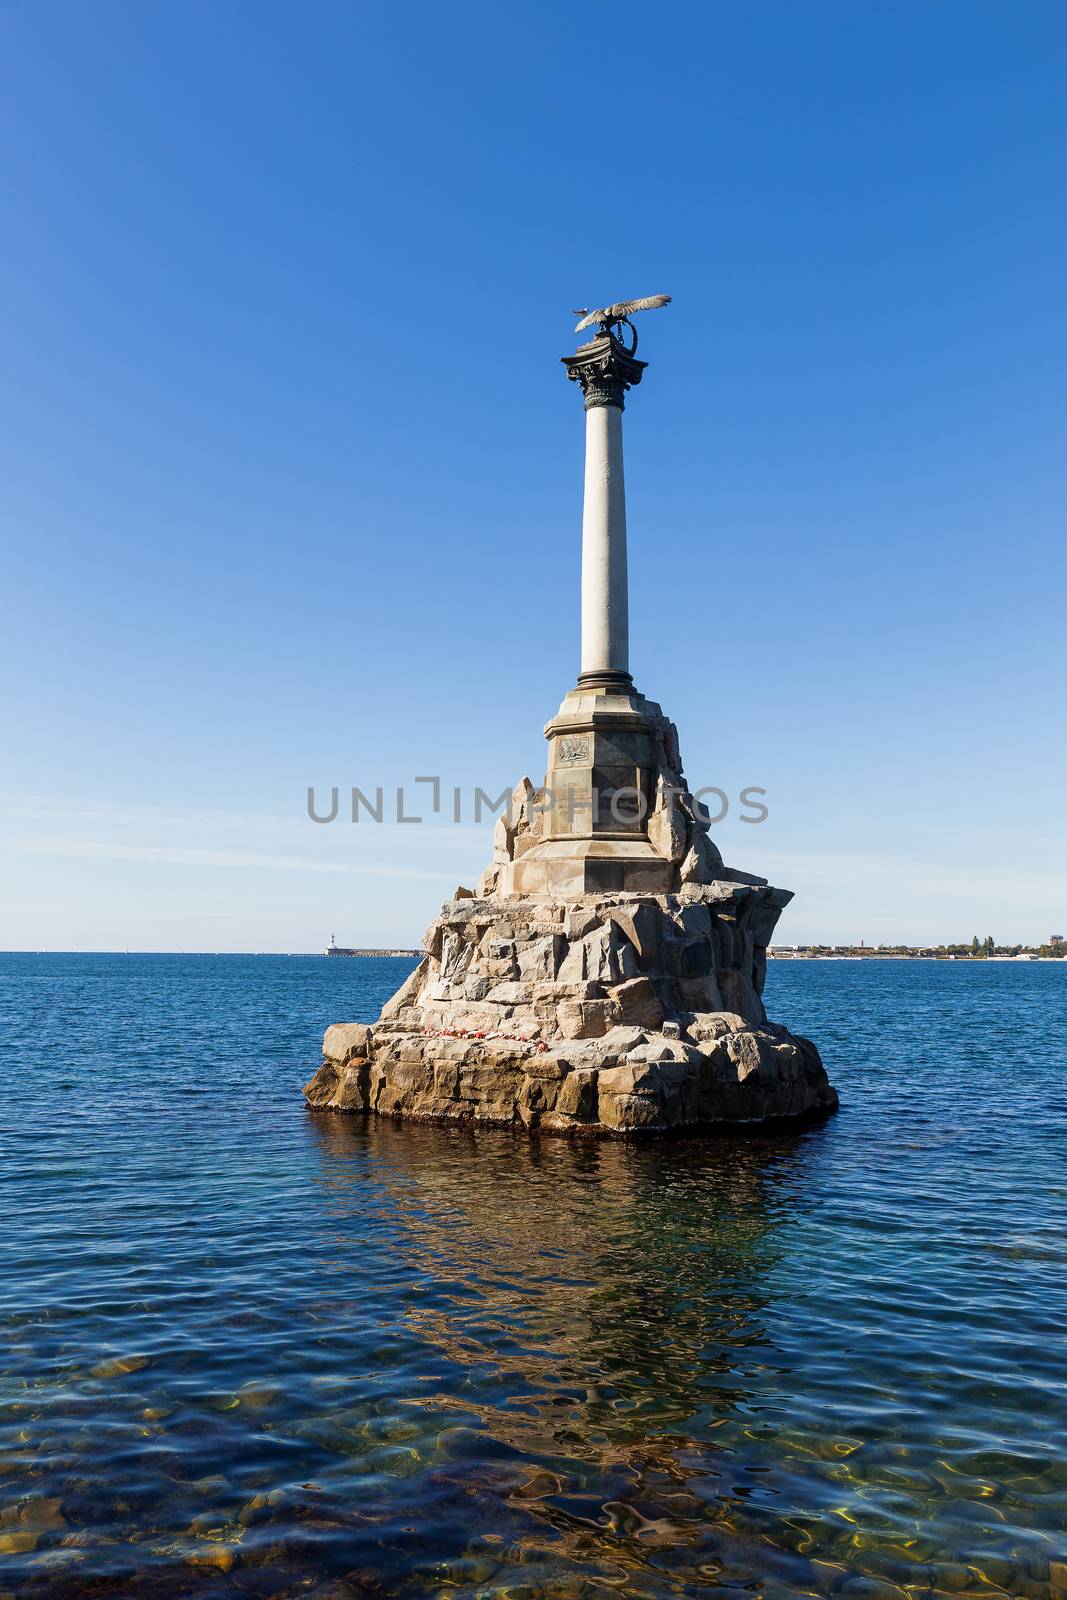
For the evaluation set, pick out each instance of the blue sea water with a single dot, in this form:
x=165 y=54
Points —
x=252 y=1351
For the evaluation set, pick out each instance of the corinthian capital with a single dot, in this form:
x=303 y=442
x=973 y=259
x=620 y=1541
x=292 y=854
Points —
x=605 y=370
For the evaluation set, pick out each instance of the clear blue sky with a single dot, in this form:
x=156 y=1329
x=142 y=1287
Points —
x=291 y=472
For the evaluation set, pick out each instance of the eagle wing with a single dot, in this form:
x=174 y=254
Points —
x=622 y=308
x=649 y=303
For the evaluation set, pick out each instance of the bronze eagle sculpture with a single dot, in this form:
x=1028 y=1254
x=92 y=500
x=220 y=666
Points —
x=608 y=318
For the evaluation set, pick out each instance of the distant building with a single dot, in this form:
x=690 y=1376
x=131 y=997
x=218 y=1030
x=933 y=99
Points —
x=1055 y=938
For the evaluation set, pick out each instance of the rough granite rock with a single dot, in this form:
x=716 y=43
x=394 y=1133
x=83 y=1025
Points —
x=625 y=1014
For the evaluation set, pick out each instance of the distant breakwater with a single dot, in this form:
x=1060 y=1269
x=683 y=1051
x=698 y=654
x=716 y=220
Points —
x=336 y=950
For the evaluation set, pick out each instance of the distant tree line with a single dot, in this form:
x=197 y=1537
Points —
x=981 y=949
x=977 y=950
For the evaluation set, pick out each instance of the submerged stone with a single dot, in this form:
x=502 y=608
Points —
x=118 y=1367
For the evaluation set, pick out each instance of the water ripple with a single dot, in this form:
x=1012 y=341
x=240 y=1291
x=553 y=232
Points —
x=253 y=1352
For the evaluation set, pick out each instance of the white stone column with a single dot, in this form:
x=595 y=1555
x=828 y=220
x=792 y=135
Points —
x=605 y=603
x=605 y=370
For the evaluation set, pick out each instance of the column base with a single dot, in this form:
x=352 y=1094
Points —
x=605 y=678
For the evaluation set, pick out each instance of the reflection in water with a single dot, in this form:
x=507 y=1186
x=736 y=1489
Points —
x=599 y=1308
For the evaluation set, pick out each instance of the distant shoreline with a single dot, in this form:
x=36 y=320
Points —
x=890 y=955
x=288 y=955
x=413 y=954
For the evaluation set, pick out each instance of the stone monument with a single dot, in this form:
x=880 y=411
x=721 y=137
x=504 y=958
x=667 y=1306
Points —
x=605 y=977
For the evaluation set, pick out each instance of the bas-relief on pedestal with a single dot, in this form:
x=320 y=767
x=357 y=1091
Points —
x=606 y=975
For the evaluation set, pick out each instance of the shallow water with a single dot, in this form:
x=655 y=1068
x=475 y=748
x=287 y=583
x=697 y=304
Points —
x=250 y=1351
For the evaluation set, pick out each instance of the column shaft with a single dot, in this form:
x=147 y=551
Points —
x=605 y=603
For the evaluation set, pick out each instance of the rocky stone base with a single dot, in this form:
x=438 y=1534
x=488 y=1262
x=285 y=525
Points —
x=612 y=1015
x=627 y=1082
